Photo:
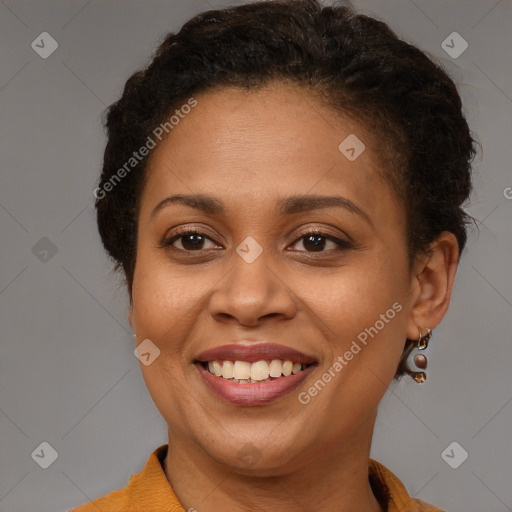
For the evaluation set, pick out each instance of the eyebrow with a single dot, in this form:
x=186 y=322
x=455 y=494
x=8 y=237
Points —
x=286 y=206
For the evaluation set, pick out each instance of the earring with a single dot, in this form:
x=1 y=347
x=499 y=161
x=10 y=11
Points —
x=420 y=360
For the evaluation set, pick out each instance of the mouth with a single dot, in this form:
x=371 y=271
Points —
x=253 y=374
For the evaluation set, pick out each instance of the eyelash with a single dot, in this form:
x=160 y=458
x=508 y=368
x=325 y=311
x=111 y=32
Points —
x=342 y=244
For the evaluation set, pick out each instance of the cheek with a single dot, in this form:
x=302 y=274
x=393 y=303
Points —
x=358 y=293
x=363 y=312
x=163 y=311
x=164 y=306
x=163 y=297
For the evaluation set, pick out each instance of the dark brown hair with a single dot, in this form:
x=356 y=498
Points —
x=355 y=63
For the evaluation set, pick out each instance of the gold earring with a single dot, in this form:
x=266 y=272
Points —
x=420 y=360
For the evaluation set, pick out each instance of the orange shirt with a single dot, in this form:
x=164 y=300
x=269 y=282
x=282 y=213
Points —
x=150 y=491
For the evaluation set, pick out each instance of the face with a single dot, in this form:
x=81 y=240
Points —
x=267 y=275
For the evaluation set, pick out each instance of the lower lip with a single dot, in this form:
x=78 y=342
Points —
x=249 y=394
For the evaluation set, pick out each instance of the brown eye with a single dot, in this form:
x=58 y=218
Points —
x=316 y=242
x=190 y=241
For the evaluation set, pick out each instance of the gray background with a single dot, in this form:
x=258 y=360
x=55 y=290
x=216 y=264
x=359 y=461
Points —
x=68 y=375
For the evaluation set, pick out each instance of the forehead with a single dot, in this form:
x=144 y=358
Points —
x=252 y=146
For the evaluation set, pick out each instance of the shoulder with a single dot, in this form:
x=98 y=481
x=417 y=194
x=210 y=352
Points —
x=116 y=500
x=391 y=493
x=147 y=490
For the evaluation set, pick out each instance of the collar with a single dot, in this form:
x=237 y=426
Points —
x=150 y=491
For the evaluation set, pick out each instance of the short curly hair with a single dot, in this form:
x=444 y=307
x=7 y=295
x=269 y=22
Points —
x=354 y=63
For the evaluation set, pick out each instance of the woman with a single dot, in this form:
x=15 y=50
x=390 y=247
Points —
x=289 y=239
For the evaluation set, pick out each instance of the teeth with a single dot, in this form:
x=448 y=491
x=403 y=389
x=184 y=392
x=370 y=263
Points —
x=217 y=370
x=287 y=368
x=276 y=368
x=242 y=370
x=260 y=371
x=227 y=370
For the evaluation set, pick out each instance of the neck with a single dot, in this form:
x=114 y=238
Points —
x=336 y=481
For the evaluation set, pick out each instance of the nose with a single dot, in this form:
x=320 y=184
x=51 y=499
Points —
x=250 y=292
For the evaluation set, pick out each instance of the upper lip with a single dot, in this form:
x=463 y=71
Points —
x=252 y=353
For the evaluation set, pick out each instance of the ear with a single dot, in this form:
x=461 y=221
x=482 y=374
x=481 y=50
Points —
x=432 y=283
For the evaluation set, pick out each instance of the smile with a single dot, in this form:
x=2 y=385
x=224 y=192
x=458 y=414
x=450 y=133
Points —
x=260 y=371
x=253 y=374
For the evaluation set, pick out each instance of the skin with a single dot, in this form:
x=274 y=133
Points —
x=248 y=149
